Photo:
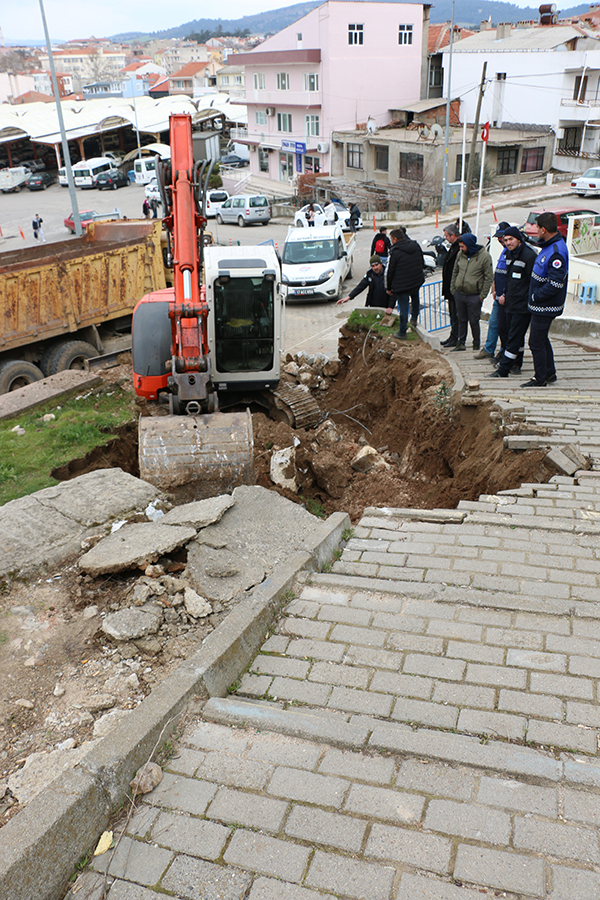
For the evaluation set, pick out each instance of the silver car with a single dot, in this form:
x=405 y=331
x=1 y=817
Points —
x=245 y=209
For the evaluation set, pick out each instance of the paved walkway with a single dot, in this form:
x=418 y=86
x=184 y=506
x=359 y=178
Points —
x=424 y=723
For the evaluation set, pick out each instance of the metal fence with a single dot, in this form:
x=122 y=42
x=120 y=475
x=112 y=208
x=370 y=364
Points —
x=434 y=309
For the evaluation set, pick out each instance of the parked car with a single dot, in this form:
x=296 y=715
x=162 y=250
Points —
x=39 y=181
x=111 y=180
x=342 y=212
x=90 y=215
x=563 y=214
x=214 y=202
x=234 y=161
x=152 y=192
x=245 y=210
x=588 y=183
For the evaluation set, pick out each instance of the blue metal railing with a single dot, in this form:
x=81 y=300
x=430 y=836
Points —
x=434 y=309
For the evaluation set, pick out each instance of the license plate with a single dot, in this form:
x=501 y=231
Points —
x=304 y=292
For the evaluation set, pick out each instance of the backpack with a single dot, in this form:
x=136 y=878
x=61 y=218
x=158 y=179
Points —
x=380 y=247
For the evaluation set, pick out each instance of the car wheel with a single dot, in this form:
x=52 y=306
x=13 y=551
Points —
x=114 y=187
x=17 y=373
x=241 y=221
x=340 y=290
x=219 y=220
x=44 y=186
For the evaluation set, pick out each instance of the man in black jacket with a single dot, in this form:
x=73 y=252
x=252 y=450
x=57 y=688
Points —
x=380 y=239
x=519 y=265
x=374 y=280
x=451 y=234
x=404 y=276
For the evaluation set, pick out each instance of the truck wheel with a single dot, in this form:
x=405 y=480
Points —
x=219 y=220
x=16 y=373
x=70 y=355
x=241 y=221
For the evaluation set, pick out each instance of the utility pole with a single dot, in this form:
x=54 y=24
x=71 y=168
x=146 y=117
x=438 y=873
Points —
x=448 y=101
x=474 y=138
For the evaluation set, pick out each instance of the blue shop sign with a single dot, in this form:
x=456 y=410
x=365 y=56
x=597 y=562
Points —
x=293 y=146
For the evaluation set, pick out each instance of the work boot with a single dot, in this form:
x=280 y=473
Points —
x=483 y=354
x=459 y=347
x=496 y=374
x=551 y=379
x=533 y=383
x=413 y=321
x=449 y=342
x=475 y=346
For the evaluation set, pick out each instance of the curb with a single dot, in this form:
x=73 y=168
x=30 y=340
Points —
x=41 y=845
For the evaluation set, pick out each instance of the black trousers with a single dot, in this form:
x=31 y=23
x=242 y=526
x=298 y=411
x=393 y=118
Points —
x=502 y=325
x=453 y=316
x=518 y=323
x=541 y=348
x=468 y=308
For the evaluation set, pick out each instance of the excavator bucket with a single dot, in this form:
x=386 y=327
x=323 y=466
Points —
x=214 y=453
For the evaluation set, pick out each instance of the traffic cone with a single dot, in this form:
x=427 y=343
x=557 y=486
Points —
x=21 y=232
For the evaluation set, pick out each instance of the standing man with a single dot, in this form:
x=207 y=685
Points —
x=547 y=294
x=354 y=217
x=451 y=235
x=403 y=277
x=374 y=280
x=471 y=281
x=381 y=244
x=37 y=228
x=497 y=321
x=519 y=265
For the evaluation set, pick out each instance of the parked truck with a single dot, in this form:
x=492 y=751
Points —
x=12 y=180
x=316 y=262
x=61 y=301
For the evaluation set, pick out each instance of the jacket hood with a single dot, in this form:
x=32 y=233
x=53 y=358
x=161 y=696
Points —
x=470 y=242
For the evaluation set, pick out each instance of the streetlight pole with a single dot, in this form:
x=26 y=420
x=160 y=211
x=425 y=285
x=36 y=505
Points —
x=61 y=125
x=448 y=99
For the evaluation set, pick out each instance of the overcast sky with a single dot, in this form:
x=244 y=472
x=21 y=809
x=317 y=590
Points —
x=20 y=20
x=69 y=19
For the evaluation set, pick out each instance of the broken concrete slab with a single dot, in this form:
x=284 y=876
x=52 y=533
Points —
x=561 y=462
x=131 y=623
x=41 y=769
x=220 y=574
x=283 y=469
x=200 y=513
x=197 y=606
x=134 y=546
x=524 y=442
x=50 y=388
x=573 y=452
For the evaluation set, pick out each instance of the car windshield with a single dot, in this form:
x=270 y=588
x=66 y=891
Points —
x=309 y=251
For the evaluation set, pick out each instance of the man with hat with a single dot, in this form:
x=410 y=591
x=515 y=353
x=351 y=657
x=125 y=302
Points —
x=374 y=280
x=520 y=259
x=497 y=320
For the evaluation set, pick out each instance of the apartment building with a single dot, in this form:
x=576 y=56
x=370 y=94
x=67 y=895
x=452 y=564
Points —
x=86 y=64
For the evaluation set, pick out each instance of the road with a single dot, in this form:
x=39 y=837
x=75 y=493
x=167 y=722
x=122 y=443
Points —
x=310 y=326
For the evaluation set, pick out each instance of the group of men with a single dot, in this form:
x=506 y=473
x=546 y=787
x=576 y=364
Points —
x=395 y=276
x=529 y=291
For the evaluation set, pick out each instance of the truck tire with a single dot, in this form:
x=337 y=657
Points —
x=16 y=373
x=70 y=355
x=241 y=221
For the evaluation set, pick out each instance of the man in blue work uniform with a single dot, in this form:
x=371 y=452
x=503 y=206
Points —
x=547 y=293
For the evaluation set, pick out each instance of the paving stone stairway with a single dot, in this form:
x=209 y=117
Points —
x=422 y=724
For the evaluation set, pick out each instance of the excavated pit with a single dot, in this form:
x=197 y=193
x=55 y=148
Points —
x=432 y=451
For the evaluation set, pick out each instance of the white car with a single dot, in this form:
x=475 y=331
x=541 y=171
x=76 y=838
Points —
x=152 y=192
x=342 y=212
x=588 y=183
x=214 y=201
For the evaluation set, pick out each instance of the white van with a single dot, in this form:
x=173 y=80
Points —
x=86 y=172
x=145 y=169
x=62 y=177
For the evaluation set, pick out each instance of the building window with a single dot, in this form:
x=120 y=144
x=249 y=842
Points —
x=411 y=166
x=312 y=164
x=436 y=75
x=405 y=33
x=224 y=79
x=260 y=117
x=355 y=34
x=458 y=173
x=354 y=156
x=311 y=81
x=532 y=160
x=580 y=88
x=237 y=79
x=284 y=122
x=571 y=139
x=382 y=159
x=259 y=81
x=312 y=126
x=299 y=36
x=506 y=161
x=263 y=160
x=283 y=81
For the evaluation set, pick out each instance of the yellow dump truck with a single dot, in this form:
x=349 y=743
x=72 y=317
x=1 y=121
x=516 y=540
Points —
x=61 y=302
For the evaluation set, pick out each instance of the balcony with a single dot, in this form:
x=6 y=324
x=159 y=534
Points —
x=580 y=110
x=238 y=134
x=283 y=99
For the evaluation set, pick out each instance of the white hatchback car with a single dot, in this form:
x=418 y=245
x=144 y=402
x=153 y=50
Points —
x=214 y=201
x=342 y=212
x=588 y=183
x=152 y=192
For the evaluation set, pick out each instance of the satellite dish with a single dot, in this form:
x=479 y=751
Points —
x=436 y=132
x=371 y=126
x=423 y=131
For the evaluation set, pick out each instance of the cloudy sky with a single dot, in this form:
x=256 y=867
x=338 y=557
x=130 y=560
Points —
x=69 y=19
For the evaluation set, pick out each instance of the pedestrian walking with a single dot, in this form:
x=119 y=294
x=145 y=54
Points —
x=310 y=215
x=154 y=207
x=471 y=281
x=146 y=209
x=374 y=280
x=497 y=320
x=519 y=266
x=404 y=277
x=547 y=294
x=381 y=244
x=354 y=217
x=452 y=235
x=38 y=232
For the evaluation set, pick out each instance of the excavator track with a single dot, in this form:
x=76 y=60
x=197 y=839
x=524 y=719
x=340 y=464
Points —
x=296 y=403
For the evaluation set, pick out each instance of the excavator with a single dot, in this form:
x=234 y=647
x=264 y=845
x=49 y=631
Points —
x=212 y=340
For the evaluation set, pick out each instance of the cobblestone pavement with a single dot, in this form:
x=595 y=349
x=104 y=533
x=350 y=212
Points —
x=424 y=722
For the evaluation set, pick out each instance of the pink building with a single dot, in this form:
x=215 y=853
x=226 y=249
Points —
x=342 y=64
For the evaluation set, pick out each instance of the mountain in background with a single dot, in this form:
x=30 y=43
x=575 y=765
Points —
x=468 y=13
